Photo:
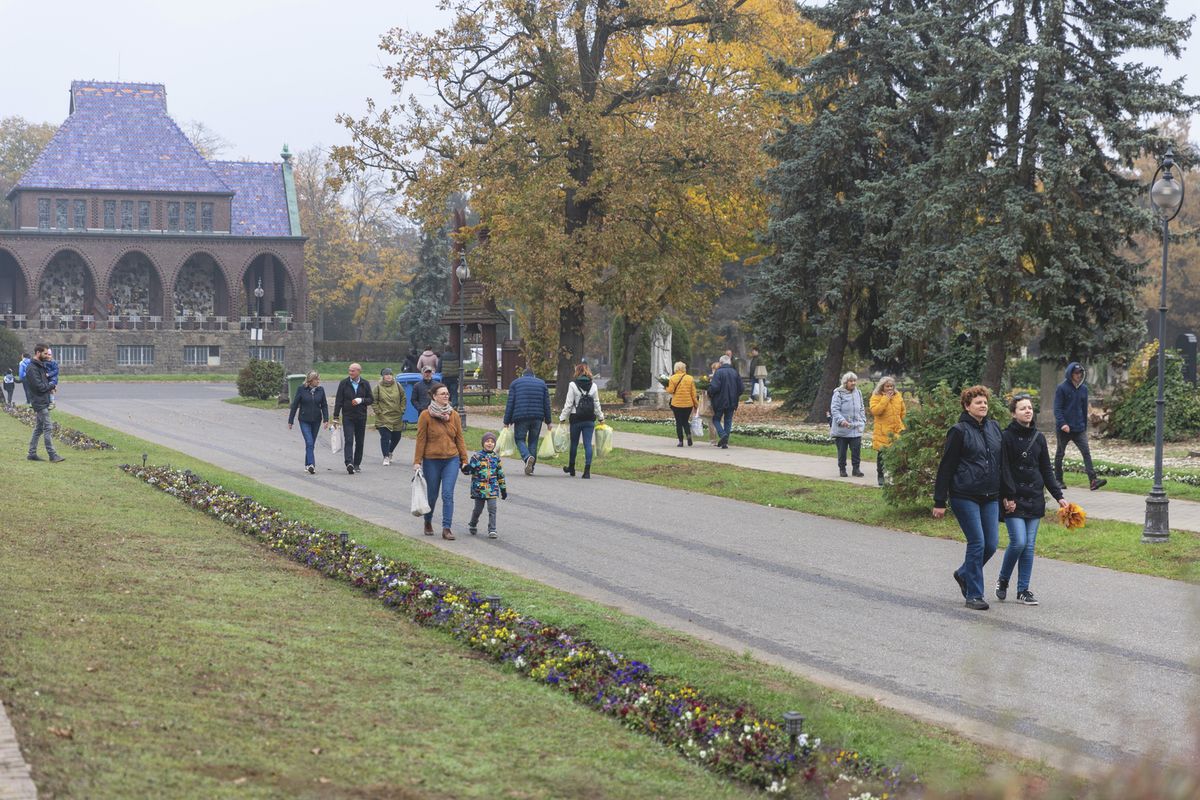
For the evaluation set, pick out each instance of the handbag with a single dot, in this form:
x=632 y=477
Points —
x=603 y=443
x=335 y=438
x=506 y=444
x=697 y=426
x=420 y=494
x=546 y=447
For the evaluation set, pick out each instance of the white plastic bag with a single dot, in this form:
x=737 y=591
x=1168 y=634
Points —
x=561 y=438
x=697 y=426
x=506 y=446
x=335 y=439
x=420 y=494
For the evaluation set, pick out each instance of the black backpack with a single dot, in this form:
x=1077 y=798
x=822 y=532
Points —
x=585 y=409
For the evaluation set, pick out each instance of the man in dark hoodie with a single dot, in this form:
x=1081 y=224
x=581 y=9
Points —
x=38 y=387
x=1070 y=421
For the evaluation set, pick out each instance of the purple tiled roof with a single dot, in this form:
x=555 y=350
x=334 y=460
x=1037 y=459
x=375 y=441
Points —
x=120 y=138
x=260 y=205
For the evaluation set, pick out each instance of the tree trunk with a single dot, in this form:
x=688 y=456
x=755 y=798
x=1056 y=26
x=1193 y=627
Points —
x=997 y=359
x=570 y=345
x=631 y=334
x=819 y=412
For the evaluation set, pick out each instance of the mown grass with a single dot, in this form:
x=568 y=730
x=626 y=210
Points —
x=187 y=662
x=1102 y=543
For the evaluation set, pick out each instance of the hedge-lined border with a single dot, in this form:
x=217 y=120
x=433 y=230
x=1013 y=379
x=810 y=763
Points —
x=77 y=439
x=734 y=740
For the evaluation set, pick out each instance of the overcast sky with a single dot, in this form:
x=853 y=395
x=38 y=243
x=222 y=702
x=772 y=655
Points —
x=257 y=72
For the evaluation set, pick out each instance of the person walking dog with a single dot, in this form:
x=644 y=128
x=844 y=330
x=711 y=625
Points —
x=973 y=477
x=1070 y=417
x=847 y=421
x=1027 y=461
x=887 y=409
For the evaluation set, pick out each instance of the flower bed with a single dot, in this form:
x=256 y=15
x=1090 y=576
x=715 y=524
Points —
x=732 y=739
x=1123 y=471
x=777 y=432
x=77 y=439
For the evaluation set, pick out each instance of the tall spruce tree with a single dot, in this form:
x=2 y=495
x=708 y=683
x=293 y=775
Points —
x=829 y=226
x=429 y=288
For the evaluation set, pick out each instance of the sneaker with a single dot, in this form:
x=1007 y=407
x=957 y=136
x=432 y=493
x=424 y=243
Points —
x=493 y=535
x=1026 y=598
x=312 y=469
x=350 y=468
x=54 y=459
x=1001 y=589
x=529 y=465
x=357 y=468
x=1097 y=483
x=962 y=583
x=387 y=461
x=472 y=529
x=977 y=604
x=34 y=457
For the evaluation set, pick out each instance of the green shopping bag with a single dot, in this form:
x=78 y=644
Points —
x=602 y=444
x=506 y=444
x=546 y=447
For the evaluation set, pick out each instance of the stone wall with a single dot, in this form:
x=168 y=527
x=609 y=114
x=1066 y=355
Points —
x=168 y=349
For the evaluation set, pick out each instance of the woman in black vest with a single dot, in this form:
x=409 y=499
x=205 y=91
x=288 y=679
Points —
x=971 y=475
x=1027 y=462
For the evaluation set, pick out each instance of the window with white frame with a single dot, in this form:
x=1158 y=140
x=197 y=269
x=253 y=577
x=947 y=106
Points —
x=135 y=355
x=205 y=355
x=70 y=354
x=267 y=353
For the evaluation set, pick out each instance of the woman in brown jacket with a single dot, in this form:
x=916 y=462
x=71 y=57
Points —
x=439 y=443
x=684 y=401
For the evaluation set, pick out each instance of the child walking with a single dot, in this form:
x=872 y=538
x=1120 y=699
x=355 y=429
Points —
x=487 y=483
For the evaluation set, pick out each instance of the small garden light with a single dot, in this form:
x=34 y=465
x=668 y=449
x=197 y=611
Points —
x=493 y=601
x=143 y=460
x=344 y=538
x=793 y=726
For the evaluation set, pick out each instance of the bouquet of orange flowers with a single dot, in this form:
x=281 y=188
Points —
x=1072 y=516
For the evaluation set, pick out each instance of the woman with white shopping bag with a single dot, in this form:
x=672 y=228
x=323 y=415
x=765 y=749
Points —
x=313 y=409
x=440 y=444
x=685 y=402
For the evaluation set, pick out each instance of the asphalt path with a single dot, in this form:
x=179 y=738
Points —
x=1104 y=669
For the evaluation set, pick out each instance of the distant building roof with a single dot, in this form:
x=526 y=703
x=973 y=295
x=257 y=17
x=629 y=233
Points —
x=120 y=138
x=260 y=205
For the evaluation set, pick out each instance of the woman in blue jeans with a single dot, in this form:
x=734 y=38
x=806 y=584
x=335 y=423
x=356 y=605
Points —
x=313 y=408
x=1027 y=463
x=440 y=453
x=582 y=409
x=972 y=475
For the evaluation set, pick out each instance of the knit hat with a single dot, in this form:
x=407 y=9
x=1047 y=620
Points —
x=385 y=371
x=489 y=435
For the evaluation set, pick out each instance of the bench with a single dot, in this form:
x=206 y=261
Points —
x=476 y=387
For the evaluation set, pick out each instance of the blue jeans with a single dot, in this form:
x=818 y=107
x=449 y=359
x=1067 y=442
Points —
x=440 y=476
x=1022 y=535
x=388 y=439
x=722 y=422
x=527 y=432
x=584 y=430
x=980 y=523
x=309 y=431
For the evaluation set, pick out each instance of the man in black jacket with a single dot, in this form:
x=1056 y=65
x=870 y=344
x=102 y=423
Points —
x=353 y=393
x=37 y=386
x=422 y=391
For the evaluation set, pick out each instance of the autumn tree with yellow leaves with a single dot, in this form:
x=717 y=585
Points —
x=610 y=149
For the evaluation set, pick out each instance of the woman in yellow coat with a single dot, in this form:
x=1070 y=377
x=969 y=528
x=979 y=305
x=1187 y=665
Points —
x=684 y=401
x=887 y=407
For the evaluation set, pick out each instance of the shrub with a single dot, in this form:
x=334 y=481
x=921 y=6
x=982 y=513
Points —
x=1024 y=372
x=959 y=364
x=10 y=351
x=1133 y=417
x=260 y=379
x=913 y=460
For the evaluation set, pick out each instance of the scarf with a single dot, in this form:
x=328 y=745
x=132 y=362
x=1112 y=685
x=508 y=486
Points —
x=440 y=412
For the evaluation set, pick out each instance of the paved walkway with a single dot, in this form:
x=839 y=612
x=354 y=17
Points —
x=15 y=783
x=1105 y=668
x=1102 y=504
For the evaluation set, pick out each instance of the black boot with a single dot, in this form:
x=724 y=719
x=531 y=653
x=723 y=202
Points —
x=587 y=471
x=570 y=470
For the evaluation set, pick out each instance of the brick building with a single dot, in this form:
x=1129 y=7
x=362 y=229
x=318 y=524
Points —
x=132 y=253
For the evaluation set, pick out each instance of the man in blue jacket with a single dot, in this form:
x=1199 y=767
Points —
x=527 y=408
x=1070 y=420
x=724 y=392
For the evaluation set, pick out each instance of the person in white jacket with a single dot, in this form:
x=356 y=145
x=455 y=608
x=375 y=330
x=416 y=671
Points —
x=847 y=420
x=582 y=409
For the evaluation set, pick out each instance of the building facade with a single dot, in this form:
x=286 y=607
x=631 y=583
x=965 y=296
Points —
x=132 y=253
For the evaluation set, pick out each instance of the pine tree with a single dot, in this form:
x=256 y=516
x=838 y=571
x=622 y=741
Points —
x=429 y=291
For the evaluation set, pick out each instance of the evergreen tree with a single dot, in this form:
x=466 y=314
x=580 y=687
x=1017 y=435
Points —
x=429 y=291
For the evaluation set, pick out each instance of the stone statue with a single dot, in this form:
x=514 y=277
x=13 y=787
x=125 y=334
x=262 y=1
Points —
x=660 y=353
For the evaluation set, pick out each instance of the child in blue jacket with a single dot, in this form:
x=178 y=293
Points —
x=487 y=483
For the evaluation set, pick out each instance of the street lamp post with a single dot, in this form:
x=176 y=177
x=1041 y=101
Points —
x=463 y=272
x=1166 y=198
x=509 y=312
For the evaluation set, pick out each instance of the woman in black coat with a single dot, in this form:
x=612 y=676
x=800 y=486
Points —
x=1027 y=460
x=310 y=402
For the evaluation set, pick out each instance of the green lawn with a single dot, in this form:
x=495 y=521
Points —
x=158 y=650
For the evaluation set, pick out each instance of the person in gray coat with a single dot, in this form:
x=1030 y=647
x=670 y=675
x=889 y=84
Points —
x=847 y=420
